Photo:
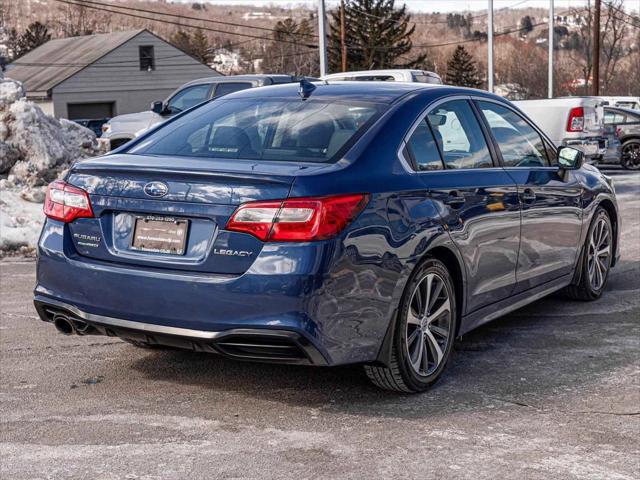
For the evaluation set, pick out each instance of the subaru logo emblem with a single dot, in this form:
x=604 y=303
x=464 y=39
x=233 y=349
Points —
x=156 y=189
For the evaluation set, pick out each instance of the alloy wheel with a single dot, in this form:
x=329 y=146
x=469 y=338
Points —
x=599 y=254
x=428 y=324
x=631 y=156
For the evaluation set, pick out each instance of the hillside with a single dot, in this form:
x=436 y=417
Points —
x=242 y=37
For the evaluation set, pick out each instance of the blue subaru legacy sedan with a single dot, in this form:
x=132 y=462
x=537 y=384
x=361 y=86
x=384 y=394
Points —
x=325 y=224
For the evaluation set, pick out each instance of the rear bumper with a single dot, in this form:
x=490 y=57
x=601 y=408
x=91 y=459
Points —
x=592 y=147
x=281 y=346
x=310 y=290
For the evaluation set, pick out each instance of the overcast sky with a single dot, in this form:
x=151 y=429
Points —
x=432 y=5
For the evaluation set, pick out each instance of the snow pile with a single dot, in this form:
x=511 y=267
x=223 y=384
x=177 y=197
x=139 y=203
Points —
x=20 y=223
x=34 y=147
x=34 y=150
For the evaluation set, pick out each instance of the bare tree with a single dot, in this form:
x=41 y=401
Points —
x=583 y=54
x=615 y=31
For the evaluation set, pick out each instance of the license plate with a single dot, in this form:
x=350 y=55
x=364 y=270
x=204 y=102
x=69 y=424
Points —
x=160 y=235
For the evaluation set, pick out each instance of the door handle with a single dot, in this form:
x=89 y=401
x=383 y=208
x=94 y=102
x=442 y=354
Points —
x=455 y=199
x=528 y=196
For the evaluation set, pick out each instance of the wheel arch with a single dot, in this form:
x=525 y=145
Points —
x=626 y=138
x=450 y=258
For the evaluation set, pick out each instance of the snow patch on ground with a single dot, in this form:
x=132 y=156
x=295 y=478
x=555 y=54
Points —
x=20 y=223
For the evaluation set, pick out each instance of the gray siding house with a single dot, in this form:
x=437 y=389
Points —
x=104 y=75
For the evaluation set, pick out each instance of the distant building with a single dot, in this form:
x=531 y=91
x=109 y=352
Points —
x=104 y=75
x=227 y=62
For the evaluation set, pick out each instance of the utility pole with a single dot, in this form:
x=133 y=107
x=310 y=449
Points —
x=551 y=39
x=322 y=37
x=595 y=58
x=490 y=49
x=343 y=45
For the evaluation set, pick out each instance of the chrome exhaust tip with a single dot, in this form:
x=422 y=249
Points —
x=64 y=325
x=82 y=328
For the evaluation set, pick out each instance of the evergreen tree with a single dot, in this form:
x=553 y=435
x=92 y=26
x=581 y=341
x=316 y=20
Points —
x=461 y=69
x=526 y=24
x=195 y=45
x=377 y=36
x=35 y=35
x=182 y=41
x=289 y=52
x=200 y=48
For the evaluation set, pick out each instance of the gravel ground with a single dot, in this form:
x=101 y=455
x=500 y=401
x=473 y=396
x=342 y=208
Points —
x=550 y=391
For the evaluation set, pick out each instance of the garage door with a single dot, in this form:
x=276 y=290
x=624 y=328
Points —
x=89 y=111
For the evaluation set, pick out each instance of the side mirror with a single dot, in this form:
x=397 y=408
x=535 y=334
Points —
x=157 y=107
x=570 y=158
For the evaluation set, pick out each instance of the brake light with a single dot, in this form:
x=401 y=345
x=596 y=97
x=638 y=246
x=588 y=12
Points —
x=65 y=202
x=297 y=219
x=576 y=120
x=618 y=132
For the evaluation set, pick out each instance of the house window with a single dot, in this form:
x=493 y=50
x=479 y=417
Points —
x=147 y=60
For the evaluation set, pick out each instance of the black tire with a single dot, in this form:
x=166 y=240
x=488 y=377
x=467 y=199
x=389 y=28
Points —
x=400 y=375
x=585 y=290
x=630 y=154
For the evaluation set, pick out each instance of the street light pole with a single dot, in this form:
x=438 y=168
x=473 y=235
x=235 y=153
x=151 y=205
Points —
x=595 y=84
x=551 y=38
x=322 y=34
x=490 y=48
x=343 y=45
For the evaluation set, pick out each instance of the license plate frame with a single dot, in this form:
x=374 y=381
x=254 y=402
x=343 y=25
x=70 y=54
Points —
x=148 y=235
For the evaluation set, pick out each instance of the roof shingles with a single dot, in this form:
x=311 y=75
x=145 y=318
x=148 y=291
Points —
x=50 y=64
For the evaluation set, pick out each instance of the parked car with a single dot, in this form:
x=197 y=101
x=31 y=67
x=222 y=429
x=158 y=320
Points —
x=123 y=128
x=571 y=121
x=95 y=125
x=325 y=224
x=626 y=124
x=397 y=75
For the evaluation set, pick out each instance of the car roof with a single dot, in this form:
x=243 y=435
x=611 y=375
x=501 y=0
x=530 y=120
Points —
x=378 y=92
x=373 y=72
x=233 y=78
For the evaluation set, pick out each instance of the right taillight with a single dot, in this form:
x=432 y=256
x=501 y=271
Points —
x=65 y=202
x=297 y=219
x=576 y=120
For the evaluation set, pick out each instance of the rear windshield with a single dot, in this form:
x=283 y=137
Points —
x=284 y=130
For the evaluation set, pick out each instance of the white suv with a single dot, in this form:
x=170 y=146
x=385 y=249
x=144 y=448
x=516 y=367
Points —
x=398 y=75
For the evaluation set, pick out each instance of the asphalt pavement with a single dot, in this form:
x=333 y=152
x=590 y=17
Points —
x=549 y=391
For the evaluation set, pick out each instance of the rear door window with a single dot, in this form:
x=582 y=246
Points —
x=423 y=149
x=519 y=143
x=612 y=118
x=230 y=87
x=459 y=135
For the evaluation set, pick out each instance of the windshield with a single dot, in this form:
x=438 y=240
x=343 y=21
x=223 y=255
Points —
x=279 y=129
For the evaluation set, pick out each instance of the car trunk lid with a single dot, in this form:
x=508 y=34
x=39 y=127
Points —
x=143 y=204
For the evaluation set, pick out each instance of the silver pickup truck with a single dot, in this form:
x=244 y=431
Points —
x=572 y=121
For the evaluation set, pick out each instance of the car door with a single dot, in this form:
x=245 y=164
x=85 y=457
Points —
x=477 y=200
x=551 y=201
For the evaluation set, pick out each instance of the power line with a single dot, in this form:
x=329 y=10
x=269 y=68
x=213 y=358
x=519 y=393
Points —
x=187 y=17
x=246 y=35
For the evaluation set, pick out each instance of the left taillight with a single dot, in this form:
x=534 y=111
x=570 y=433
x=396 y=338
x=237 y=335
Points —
x=297 y=219
x=65 y=202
